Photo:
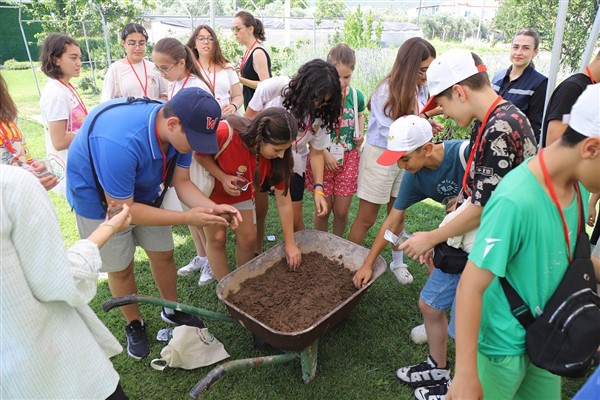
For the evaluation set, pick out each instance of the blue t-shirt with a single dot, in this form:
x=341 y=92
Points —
x=437 y=184
x=127 y=157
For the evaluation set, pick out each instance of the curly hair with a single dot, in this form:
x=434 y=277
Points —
x=271 y=126
x=315 y=92
x=404 y=76
x=216 y=56
x=248 y=20
x=54 y=47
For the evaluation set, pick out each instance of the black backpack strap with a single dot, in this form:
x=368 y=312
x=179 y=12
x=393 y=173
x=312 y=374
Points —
x=99 y=189
x=518 y=308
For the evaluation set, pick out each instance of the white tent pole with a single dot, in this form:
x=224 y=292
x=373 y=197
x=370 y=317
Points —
x=589 y=48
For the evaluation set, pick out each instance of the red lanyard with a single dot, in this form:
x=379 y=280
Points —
x=337 y=131
x=162 y=151
x=587 y=69
x=474 y=149
x=74 y=91
x=144 y=88
x=302 y=137
x=182 y=86
x=247 y=54
x=212 y=83
x=555 y=200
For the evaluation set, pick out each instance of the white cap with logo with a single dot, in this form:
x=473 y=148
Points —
x=407 y=134
x=448 y=69
x=585 y=114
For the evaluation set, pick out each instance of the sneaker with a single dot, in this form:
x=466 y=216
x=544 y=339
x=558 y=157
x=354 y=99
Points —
x=175 y=317
x=418 y=334
x=138 y=345
x=194 y=266
x=433 y=392
x=401 y=273
x=206 y=275
x=425 y=374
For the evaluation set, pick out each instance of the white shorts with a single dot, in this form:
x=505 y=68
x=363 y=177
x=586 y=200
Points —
x=377 y=183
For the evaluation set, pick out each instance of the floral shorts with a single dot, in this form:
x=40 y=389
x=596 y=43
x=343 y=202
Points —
x=343 y=182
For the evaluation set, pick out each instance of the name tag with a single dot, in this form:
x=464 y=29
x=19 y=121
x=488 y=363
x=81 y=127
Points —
x=337 y=151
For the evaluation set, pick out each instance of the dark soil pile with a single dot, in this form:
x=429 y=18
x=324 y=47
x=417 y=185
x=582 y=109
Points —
x=291 y=301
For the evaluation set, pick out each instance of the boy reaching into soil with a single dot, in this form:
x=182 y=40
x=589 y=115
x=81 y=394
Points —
x=256 y=150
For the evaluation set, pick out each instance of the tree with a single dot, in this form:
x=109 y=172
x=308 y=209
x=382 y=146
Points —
x=330 y=9
x=540 y=15
x=360 y=31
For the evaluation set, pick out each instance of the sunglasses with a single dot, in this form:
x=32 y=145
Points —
x=236 y=29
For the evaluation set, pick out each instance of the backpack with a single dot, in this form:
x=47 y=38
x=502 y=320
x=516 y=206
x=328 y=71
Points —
x=564 y=338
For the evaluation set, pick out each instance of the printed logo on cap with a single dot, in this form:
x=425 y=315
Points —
x=211 y=122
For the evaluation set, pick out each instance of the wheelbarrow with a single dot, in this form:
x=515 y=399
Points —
x=300 y=345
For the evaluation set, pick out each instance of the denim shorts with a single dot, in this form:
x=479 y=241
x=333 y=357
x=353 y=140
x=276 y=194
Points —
x=439 y=293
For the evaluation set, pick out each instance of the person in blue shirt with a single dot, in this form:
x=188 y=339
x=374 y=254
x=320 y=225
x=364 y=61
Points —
x=132 y=146
x=521 y=84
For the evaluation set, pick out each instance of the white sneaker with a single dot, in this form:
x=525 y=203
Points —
x=418 y=334
x=206 y=275
x=194 y=266
x=401 y=273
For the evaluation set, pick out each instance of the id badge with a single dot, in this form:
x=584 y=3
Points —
x=337 y=151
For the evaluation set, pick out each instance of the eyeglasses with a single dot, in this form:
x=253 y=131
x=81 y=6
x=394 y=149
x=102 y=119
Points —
x=163 y=69
x=236 y=29
x=134 y=44
x=208 y=39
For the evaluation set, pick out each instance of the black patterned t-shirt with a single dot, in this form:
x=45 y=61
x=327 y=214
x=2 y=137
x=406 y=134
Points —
x=506 y=142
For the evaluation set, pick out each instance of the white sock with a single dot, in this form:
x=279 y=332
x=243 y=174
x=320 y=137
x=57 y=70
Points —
x=398 y=257
x=202 y=258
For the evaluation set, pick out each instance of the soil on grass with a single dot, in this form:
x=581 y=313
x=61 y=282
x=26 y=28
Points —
x=291 y=301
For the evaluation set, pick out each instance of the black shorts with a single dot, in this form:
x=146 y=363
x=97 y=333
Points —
x=296 y=187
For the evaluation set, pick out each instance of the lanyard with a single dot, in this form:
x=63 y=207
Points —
x=206 y=73
x=247 y=54
x=479 y=134
x=302 y=137
x=555 y=200
x=74 y=91
x=182 y=86
x=6 y=141
x=162 y=151
x=144 y=88
x=337 y=131
x=587 y=69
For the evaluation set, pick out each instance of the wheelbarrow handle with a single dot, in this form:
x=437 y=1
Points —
x=119 y=301
x=209 y=379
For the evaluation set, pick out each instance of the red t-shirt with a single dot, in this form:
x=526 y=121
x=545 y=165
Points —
x=237 y=160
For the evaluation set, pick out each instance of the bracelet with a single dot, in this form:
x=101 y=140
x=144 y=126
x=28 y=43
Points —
x=425 y=114
x=110 y=226
x=236 y=107
x=322 y=193
x=317 y=184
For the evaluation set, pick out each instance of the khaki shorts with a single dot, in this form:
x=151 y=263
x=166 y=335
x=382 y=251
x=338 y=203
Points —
x=118 y=252
x=377 y=183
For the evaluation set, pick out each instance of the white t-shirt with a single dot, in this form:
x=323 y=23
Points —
x=58 y=103
x=193 y=81
x=268 y=94
x=225 y=79
x=121 y=81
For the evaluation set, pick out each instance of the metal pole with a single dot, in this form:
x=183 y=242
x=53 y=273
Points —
x=480 y=18
x=287 y=22
x=87 y=47
x=555 y=60
x=37 y=85
x=589 y=48
x=212 y=13
x=419 y=12
x=108 y=59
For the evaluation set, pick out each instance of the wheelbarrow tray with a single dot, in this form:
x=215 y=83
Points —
x=330 y=246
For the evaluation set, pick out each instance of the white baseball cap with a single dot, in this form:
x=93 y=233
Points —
x=407 y=134
x=448 y=69
x=585 y=114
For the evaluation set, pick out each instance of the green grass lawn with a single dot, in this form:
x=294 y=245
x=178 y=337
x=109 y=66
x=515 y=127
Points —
x=356 y=360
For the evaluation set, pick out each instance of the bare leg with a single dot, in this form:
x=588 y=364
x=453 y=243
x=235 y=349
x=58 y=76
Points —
x=122 y=283
x=436 y=326
x=298 y=220
x=245 y=236
x=162 y=266
x=199 y=239
x=261 y=202
x=341 y=206
x=216 y=236
x=322 y=223
x=367 y=214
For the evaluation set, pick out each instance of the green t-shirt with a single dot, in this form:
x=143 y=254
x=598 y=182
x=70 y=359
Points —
x=521 y=238
x=348 y=121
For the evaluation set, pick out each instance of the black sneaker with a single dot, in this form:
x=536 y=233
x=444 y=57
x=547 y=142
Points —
x=138 y=345
x=425 y=374
x=434 y=392
x=175 y=317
